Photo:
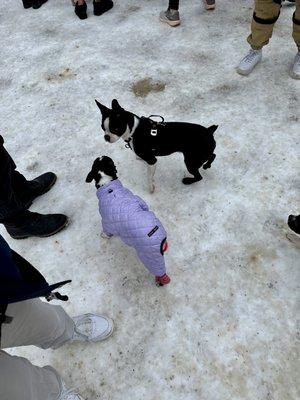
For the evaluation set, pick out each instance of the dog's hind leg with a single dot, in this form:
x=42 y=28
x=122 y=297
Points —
x=194 y=170
x=151 y=172
x=209 y=161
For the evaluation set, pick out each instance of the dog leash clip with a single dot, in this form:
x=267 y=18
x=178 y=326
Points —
x=153 y=132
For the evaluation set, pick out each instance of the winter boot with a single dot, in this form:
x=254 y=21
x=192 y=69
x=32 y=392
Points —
x=37 y=187
x=80 y=11
x=295 y=70
x=162 y=280
x=68 y=394
x=209 y=4
x=38 y=3
x=171 y=17
x=27 y=3
x=29 y=224
x=249 y=62
x=102 y=6
x=92 y=328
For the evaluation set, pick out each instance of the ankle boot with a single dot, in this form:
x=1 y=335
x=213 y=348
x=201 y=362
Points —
x=38 y=3
x=37 y=187
x=80 y=11
x=27 y=224
x=102 y=6
x=27 y=3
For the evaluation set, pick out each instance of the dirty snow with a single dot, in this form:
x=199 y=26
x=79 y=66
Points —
x=225 y=328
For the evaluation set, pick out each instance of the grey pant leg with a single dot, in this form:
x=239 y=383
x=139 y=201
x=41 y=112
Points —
x=20 y=380
x=36 y=323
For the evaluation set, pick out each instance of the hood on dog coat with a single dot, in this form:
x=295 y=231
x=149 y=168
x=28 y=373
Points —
x=127 y=215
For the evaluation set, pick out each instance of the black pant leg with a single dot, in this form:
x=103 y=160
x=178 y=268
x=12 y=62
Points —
x=11 y=181
x=174 y=4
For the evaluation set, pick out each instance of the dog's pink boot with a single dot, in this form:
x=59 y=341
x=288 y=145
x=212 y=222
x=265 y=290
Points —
x=162 y=280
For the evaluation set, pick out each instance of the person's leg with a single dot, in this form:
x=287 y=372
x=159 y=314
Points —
x=265 y=15
x=16 y=195
x=295 y=70
x=10 y=204
x=37 y=323
x=20 y=380
x=296 y=25
x=174 y=4
x=46 y=326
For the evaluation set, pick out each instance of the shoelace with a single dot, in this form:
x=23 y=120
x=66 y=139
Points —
x=249 y=57
x=85 y=328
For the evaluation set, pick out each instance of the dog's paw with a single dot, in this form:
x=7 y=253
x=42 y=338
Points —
x=105 y=235
x=189 y=181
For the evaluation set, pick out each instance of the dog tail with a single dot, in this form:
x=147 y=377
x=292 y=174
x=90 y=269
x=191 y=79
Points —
x=211 y=129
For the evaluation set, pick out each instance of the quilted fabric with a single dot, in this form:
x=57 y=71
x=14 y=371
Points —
x=127 y=216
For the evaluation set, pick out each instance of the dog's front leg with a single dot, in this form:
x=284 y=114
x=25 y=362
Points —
x=151 y=172
x=105 y=235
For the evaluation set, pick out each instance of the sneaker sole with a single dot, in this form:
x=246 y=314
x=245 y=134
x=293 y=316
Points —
x=243 y=73
x=170 y=23
x=43 y=236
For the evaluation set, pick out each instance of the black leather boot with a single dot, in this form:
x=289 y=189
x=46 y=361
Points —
x=27 y=3
x=28 y=224
x=38 y=3
x=37 y=187
x=80 y=11
x=102 y=6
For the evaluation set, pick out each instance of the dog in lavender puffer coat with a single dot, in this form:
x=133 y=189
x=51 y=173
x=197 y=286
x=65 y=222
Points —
x=128 y=216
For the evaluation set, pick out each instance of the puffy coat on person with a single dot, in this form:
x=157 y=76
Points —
x=128 y=216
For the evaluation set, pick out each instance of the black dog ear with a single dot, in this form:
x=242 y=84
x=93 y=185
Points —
x=104 y=110
x=94 y=172
x=90 y=177
x=115 y=105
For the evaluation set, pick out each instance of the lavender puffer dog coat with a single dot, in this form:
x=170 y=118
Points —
x=127 y=215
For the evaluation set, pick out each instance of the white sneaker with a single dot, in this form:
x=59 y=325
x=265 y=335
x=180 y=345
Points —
x=69 y=394
x=92 y=328
x=249 y=62
x=295 y=70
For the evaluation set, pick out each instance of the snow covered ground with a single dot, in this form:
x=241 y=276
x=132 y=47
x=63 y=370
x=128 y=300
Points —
x=225 y=328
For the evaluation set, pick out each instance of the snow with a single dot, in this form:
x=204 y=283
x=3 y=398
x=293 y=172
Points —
x=225 y=328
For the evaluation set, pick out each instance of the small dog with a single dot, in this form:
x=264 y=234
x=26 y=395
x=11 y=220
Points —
x=127 y=216
x=294 y=225
x=150 y=139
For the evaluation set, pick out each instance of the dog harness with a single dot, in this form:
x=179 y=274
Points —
x=153 y=127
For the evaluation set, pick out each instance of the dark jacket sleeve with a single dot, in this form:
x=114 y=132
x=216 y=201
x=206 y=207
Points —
x=19 y=280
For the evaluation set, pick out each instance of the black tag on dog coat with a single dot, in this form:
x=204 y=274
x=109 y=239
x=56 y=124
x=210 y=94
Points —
x=153 y=231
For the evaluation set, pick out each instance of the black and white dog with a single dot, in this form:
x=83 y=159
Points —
x=150 y=139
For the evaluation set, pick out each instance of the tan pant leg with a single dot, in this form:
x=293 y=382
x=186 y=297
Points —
x=36 y=323
x=20 y=380
x=296 y=24
x=265 y=15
